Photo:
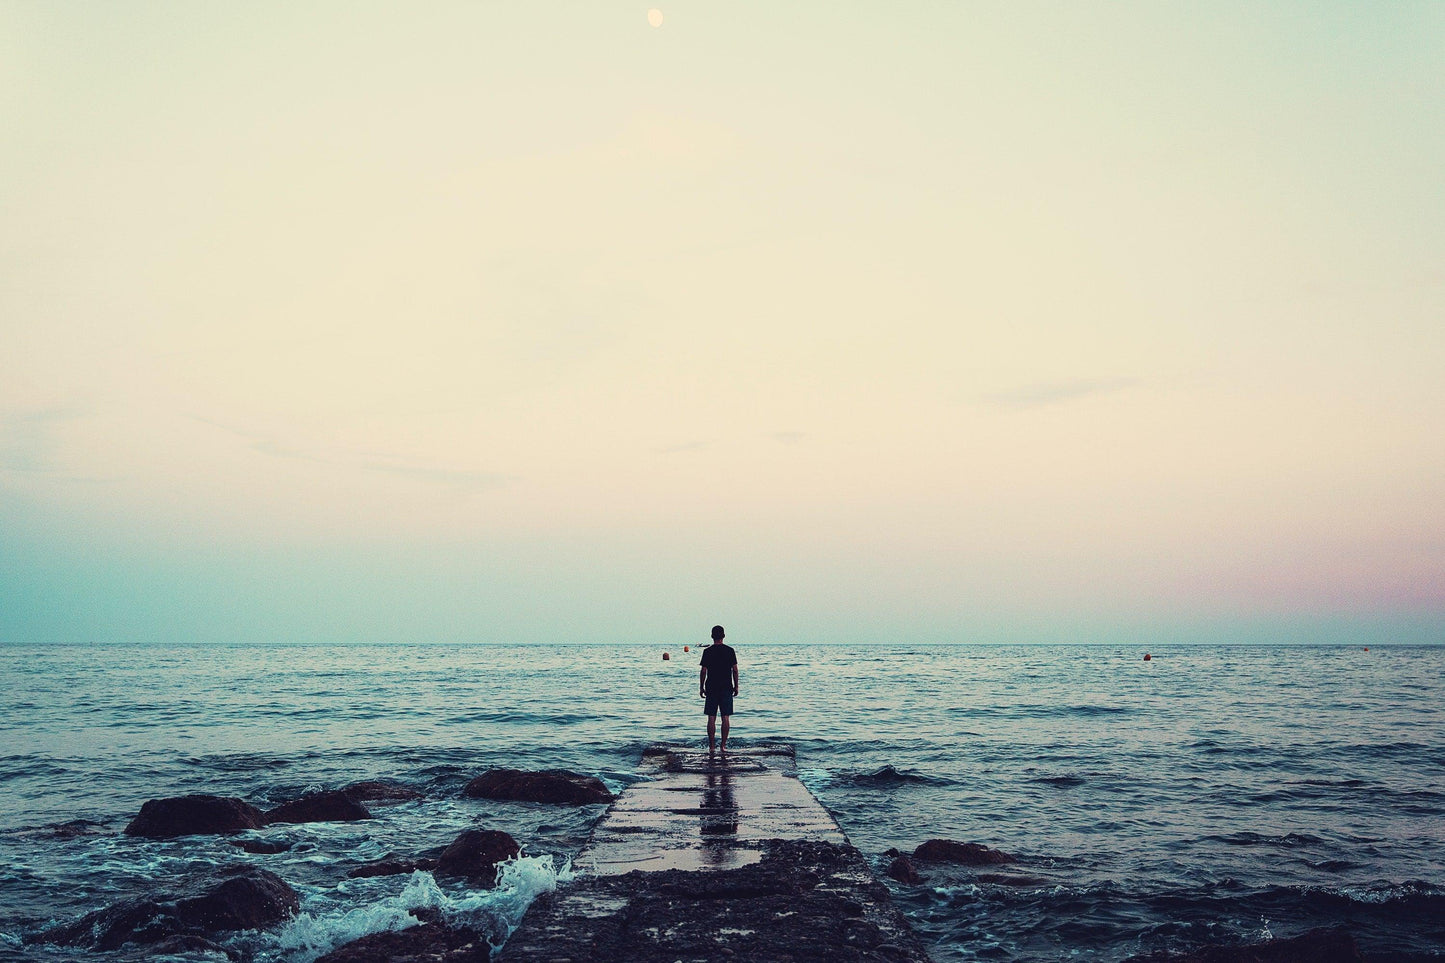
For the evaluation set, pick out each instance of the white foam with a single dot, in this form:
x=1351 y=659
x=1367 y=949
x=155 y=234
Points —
x=310 y=935
x=1380 y=894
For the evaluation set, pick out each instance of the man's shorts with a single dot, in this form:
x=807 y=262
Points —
x=716 y=703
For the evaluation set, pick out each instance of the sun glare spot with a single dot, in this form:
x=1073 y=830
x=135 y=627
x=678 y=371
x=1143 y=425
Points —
x=654 y=17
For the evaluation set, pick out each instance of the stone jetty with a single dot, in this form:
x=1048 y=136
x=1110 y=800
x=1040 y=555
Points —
x=717 y=858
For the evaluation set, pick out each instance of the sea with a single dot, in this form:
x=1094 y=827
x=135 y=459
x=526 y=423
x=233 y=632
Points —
x=1207 y=794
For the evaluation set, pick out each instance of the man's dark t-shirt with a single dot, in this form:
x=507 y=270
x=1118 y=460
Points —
x=719 y=659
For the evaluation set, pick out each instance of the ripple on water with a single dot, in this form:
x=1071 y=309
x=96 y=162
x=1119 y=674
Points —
x=1162 y=808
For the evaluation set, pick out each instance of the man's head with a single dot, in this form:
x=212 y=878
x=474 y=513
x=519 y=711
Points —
x=717 y=633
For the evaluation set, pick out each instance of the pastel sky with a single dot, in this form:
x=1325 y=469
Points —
x=827 y=321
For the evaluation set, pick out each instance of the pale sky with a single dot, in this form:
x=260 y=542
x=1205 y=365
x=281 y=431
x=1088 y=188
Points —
x=536 y=322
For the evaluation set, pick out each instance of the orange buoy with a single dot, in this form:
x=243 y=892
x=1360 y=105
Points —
x=1147 y=656
x=665 y=656
x=1367 y=648
x=686 y=649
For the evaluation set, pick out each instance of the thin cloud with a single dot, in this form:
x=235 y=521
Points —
x=789 y=437
x=681 y=447
x=455 y=477
x=462 y=478
x=1057 y=392
x=28 y=441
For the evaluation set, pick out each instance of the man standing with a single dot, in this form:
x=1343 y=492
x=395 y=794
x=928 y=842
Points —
x=717 y=683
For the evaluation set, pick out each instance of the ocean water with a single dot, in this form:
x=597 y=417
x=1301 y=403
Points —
x=1211 y=794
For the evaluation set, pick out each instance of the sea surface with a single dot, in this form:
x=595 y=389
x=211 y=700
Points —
x=1209 y=794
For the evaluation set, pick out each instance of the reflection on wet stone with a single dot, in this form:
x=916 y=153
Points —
x=719 y=814
x=705 y=812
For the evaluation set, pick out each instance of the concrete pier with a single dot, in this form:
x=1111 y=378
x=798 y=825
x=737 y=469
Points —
x=717 y=858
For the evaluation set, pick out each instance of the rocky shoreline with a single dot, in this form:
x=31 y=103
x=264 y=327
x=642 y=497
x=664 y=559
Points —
x=835 y=909
x=195 y=914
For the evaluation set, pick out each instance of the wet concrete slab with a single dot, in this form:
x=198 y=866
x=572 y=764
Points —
x=717 y=858
x=702 y=812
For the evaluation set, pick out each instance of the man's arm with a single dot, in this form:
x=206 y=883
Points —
x=735 y=678
x=702 y=682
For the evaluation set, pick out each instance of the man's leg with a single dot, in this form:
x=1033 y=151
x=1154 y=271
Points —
x=711 y=728
x=725 y=732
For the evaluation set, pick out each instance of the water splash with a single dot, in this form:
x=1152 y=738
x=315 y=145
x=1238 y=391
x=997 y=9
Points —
x=315 y=933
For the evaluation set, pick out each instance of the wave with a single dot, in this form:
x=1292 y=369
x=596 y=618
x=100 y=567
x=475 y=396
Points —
x=1043 y=711
x=1114 y=920
x=1412 y=892
x=1062 y=781
x=888 y=776
x=235 y=762
x=498 y=911
x=1287 y=840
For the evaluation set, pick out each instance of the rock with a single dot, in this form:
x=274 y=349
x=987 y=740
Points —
x=261 y=847
x=967 y=854
x=428 y=943
x=375 y=791
x=391 y=867
x=551 y=786
x=902 y=870
x=235 y=898
x=194 y=815
x=475 y=855
x=188 y=945
x=74 y=828
x=321 y=807
x=804 y=900
x=1332 y=945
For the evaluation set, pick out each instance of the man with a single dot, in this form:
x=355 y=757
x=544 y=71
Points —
x=717 y=683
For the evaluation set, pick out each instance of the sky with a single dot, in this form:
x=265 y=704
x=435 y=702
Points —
x=565 y=322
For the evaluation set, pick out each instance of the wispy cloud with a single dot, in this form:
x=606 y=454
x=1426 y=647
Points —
x=389 y=464
x=789 y=437
x=1057 y=392
x=28 y=441
x=455 y=477
x=681 y=447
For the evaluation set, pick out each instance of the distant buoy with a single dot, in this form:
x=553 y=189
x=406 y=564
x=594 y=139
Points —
x=686 y=649
x=1147 y=656
x=665 y=656
x=1367 y=648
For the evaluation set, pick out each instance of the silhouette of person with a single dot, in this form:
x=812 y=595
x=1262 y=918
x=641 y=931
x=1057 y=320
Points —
x=717 y=684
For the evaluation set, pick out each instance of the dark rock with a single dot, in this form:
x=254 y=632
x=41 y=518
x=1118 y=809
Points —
x=967 y=854
x=1332 y=945
x=902 y=870
x=321 y=807
x=374 y=791
x=428 y=943
x=551 y=786
x=71 y=829
x=193 y=815
x=176 y=945
x=391 y=867
x=887 y=776
x=835 y=911
x=475 y=855
x=261 y=847
x=235 y=898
